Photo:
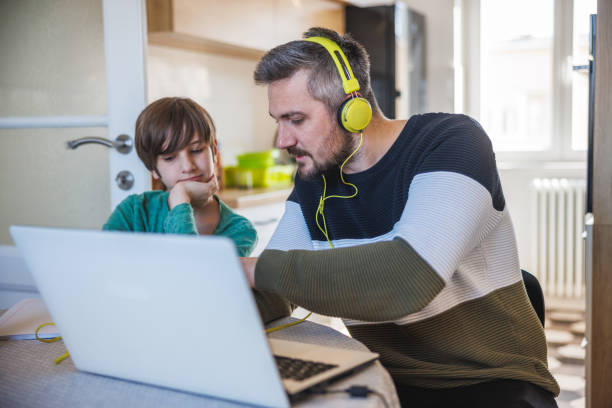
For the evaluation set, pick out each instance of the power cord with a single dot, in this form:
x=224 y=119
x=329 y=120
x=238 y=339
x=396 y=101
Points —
x=355 y=391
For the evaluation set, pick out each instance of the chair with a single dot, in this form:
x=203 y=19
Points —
x=534 y=291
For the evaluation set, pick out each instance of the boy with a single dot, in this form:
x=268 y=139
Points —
x=175 y=139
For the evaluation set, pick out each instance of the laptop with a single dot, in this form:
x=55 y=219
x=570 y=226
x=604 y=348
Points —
x=170 y=310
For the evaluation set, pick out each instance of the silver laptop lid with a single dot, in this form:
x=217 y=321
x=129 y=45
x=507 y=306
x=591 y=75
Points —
x=131 y=305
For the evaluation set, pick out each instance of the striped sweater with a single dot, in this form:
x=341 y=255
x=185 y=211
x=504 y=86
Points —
x=424 y=269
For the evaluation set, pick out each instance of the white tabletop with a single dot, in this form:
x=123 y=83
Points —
x=29 y=378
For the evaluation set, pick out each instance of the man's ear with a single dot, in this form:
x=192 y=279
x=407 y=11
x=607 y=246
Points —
x=155 y=175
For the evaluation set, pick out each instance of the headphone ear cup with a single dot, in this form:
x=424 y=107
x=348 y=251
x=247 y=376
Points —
x=355 y=114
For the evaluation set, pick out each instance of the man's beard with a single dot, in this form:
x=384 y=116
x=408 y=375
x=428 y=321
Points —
x=338 y=155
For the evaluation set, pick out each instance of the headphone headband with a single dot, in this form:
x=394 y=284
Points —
x=349 y=82
x=355 y=113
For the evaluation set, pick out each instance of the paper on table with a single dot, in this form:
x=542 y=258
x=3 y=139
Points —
x=21 y=320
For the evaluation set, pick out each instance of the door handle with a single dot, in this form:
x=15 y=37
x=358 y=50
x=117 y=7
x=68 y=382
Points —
x=123 y=143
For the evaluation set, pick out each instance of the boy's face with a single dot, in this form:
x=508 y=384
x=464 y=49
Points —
x=193 y=163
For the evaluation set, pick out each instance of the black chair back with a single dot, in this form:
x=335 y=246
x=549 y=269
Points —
x=534 y=291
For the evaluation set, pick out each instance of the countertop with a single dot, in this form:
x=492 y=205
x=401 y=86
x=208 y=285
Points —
x=238 y=198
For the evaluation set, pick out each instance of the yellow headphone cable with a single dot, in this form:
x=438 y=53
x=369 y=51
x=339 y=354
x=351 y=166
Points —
x=51 y=340
x=67 y=353
x=323 y=197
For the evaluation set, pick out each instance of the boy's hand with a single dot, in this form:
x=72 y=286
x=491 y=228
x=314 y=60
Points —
x=193 y=192
x=248 y=267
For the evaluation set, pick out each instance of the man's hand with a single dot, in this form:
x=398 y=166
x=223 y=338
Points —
x=248 y=267
x=193 y=192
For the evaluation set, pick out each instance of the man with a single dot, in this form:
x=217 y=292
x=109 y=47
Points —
x=403 y=232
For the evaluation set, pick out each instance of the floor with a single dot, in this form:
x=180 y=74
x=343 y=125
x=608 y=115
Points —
x=565 y=325
x=565 y=322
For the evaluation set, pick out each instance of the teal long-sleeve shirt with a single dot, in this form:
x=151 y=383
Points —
x=149 y=212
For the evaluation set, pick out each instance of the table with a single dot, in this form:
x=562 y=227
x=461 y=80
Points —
x=28 y=378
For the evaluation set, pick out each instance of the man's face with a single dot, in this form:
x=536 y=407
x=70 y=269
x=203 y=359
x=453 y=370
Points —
x=305 y=127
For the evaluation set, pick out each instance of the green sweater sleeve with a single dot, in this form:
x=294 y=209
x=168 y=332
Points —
x=244 y=236
x=180 y=220
x=148 y=212
x=121 y=219
x=374 y=282
x=238 y=228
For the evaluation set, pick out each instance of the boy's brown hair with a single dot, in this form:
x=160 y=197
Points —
x=168 y=125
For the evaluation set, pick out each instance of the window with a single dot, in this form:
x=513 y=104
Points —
x=533 y=104
x=580 y=79
x=516 y=81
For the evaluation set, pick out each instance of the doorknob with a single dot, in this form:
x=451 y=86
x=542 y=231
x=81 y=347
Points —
x=123 y=143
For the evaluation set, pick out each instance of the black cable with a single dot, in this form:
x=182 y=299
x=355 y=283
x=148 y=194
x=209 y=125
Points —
x=355 y=391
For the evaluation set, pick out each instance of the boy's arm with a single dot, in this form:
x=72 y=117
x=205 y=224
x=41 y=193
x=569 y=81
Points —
x=180 y=220
x=121 y=218
x=181 y=199
x=242 y=233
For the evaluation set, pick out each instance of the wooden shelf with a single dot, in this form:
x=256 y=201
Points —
x=199 y=44
x=241 y=29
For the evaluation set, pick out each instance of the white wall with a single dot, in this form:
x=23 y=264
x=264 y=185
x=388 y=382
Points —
x=516 y=180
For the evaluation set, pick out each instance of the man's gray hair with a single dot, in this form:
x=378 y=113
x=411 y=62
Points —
x=324 y=82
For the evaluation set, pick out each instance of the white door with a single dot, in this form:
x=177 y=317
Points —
x=69 y=69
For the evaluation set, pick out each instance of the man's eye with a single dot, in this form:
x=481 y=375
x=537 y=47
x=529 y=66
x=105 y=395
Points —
x=297 y=121
x=196 y=151
x=168 y=158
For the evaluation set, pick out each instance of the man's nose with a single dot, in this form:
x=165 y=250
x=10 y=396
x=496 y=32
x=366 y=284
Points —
x=284 y=139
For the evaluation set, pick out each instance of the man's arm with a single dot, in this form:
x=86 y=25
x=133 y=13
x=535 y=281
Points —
x=385 y=280
x=291 y=233
x=271 y=306
x=454 y=202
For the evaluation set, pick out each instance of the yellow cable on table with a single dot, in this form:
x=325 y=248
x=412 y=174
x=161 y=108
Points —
x=67 y=354
x=284 y=326
x=51 y=340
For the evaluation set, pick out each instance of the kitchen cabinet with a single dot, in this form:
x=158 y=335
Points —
x=264 y=207
x=265 y=219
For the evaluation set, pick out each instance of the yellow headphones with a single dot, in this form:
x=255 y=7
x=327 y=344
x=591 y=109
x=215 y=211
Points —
x=355 y=113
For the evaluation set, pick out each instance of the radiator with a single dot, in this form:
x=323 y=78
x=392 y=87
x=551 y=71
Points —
x=558 y=215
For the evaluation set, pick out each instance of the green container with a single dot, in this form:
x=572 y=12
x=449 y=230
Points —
x=259 y=169
x=266 y=158
x=271 y=176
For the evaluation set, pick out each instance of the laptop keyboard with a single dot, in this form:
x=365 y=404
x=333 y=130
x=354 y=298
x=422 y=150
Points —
x=299 y=370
